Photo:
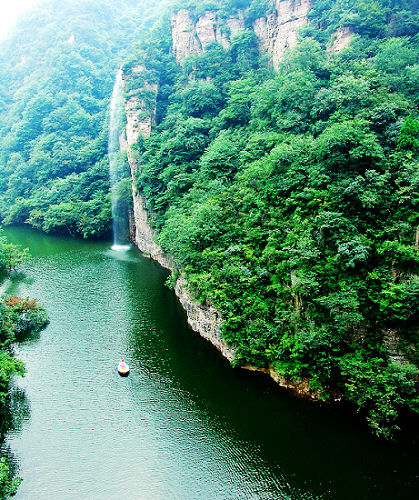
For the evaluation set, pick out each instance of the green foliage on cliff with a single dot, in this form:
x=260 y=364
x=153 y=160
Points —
x=291 y=203
x=57 y=70
x=251 y=9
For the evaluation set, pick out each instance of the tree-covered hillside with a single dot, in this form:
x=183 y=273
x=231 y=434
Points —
x=56 y=74
x=290 y=201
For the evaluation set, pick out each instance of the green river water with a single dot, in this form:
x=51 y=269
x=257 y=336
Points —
x=184 y=424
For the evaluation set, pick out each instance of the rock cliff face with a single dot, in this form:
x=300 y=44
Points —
x=139 y=116
x=392 y=343
x=278 y=32
x=341 y=39
x=192 y=37
x=203 y=319
x=139 y=119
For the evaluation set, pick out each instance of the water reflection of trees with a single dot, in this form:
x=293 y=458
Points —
x=12 y=415
x=15 y=279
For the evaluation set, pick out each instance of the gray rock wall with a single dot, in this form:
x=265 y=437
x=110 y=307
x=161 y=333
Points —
x=341 y=39
x=192 y=37
x=139 y=117
x=277 y=32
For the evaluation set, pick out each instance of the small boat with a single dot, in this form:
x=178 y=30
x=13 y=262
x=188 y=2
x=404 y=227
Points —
x=123 y=368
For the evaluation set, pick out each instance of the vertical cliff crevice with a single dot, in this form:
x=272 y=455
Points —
x=194 y=36
x=277 y=32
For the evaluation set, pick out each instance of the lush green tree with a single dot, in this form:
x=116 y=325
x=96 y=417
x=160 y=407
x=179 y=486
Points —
x=17 y=317
x=11 y=255
x=8 y=484
x=409 y=135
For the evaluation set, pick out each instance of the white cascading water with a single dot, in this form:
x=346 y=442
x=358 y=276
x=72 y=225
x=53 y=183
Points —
x=115 y=129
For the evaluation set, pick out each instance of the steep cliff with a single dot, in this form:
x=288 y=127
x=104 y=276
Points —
x=193 y=36
x=276 y=193
x=190 y=35
x=139 y=118
x=276 y=31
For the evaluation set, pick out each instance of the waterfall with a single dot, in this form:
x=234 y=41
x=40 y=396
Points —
x=117 y=167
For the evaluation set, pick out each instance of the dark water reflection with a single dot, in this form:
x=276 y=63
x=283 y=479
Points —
x=184 y=424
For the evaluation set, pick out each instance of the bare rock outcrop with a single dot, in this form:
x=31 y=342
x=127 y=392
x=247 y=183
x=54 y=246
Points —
x=278 y=32
x=139 y=119
x=140 y=115
x=341 y=39
x=204 y=319
x=192 y=37
x=145 y=235
x=300 y=387
x=392 y=343
x=184 y=39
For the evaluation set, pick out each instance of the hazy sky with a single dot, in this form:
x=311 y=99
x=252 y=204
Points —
x=10 y=9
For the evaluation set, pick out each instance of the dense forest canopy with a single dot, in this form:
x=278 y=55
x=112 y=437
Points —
x=57 y=69
x=290 y=200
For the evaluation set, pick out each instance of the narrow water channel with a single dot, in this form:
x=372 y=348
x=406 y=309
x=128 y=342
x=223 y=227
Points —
x=183 y=425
